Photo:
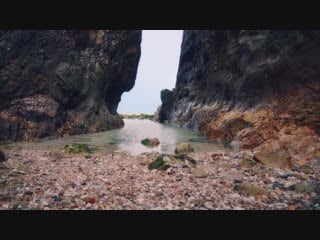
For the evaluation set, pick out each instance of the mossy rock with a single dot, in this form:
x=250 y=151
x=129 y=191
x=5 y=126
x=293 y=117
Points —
x=2 y=157
x=150 y=142
x=78 y=148
x=306 y=169
x=247 y=163
x=159 y=164
x=301 y=187
x=250 y=190
x=164 y=161
x=183 y=148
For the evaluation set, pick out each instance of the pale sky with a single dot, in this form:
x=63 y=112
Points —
x=157 y=70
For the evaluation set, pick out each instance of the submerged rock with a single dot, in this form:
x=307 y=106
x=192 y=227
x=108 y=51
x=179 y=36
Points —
x=150 y=142
x=183 y=148
x=201 y=140
x=78 y=148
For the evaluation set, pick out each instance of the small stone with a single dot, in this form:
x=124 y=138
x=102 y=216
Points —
x=208 y=205
x=200 y=172
x=291 y=207
x=280 y=206
x=186 y=194
x=237 y=180
x=285 y=176
x=234 y=196
x=306 y=169
x=29 y=193
x=247 y=163
x=303 y=176
x=90 y=200
x=249 y=190
x=88 y=205
x=277 y=185
x=56 y=198
x=272 y=179
x=238 y=208
x=301 y=187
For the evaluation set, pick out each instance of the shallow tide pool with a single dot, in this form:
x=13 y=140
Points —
x=128 y=139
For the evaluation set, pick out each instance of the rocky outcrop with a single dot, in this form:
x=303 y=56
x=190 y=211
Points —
x=56 y=82
x=257 y=89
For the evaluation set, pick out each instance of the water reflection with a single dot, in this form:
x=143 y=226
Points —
x=128 y=139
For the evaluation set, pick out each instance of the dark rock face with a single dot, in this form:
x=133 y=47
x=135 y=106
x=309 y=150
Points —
x=254 y=88
x=167 y=101
x=2 y=157
x=56 y=82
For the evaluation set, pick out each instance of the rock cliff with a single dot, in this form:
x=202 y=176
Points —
x=56 y=82
x=255 y=89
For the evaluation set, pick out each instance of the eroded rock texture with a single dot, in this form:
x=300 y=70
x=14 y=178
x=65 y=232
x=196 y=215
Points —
x=56 y=82
x=258 y=89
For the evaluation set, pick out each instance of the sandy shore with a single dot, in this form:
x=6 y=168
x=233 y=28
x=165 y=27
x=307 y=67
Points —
x=56 y=180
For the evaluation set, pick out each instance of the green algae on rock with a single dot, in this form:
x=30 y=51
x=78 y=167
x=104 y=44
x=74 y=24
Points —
x=150 y=142
x=78 y=148
x=159 y=164
x=247 y=163
x=164 y=161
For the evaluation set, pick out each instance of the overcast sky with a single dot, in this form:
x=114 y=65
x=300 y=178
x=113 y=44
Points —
x=160 y=52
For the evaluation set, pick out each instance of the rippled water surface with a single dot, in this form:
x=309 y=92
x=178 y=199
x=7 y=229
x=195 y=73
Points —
x=129 y=137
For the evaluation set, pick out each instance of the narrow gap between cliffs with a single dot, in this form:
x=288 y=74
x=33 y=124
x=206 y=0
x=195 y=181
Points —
x=158 y=67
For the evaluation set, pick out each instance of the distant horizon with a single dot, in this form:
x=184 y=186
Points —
x=157 y=70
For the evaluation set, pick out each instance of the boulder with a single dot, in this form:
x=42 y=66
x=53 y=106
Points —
x=183 y=148
x=279 y=158
x=152 y=142
x=165 y=161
